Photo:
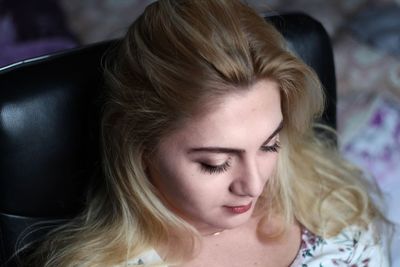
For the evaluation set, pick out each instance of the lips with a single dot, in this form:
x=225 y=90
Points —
x=238 y=209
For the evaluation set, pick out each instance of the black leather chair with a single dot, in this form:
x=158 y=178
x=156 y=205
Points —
x=49 y=121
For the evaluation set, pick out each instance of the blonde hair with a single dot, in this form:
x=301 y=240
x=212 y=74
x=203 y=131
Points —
x=177 y=59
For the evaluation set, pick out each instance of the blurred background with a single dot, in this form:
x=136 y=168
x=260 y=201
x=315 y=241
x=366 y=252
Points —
x=365 y=36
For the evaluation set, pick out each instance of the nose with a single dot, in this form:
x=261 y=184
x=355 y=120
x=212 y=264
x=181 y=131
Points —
x=249 y=180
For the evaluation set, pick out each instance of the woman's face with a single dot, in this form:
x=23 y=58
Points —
x=212 y=171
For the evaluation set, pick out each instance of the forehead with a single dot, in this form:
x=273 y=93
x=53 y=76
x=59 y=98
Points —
x=251 y=113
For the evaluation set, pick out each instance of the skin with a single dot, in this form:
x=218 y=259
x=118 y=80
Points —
x=221 y=159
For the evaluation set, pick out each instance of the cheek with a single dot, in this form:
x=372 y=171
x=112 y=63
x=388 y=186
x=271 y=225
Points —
x=269 y=165
x=174 y=180
x=187 y=188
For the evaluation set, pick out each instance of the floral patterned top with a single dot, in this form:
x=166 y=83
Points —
x=353 y=247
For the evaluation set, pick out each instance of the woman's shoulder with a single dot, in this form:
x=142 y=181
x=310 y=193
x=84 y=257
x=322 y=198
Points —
x=353 y=246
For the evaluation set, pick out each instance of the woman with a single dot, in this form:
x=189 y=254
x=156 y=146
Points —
x=210 y=155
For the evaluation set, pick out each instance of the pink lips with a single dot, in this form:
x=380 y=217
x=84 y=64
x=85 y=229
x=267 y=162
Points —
x=239 y=209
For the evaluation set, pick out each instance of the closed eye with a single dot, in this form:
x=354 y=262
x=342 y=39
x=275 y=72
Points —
x=215 y=169
x=274 y=148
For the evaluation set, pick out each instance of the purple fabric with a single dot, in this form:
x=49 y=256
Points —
x=12 y=53
x=375 y=148
x=7 y=31
x=376 y=145
x=32 y=29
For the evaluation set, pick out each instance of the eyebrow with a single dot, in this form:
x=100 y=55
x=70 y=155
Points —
x=226 y=150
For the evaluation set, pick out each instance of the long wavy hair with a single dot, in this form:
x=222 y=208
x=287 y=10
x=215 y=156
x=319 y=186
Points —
x=176 y=60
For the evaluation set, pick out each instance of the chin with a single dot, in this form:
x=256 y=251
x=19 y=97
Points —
x=220 y=221
x=234 y=221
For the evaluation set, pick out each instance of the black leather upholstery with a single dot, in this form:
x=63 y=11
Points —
x=49 y=118
x=49 y=115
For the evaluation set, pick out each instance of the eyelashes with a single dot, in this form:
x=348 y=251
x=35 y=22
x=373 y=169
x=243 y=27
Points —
x=216 y=169
x=211 y=169
x=274 y=148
